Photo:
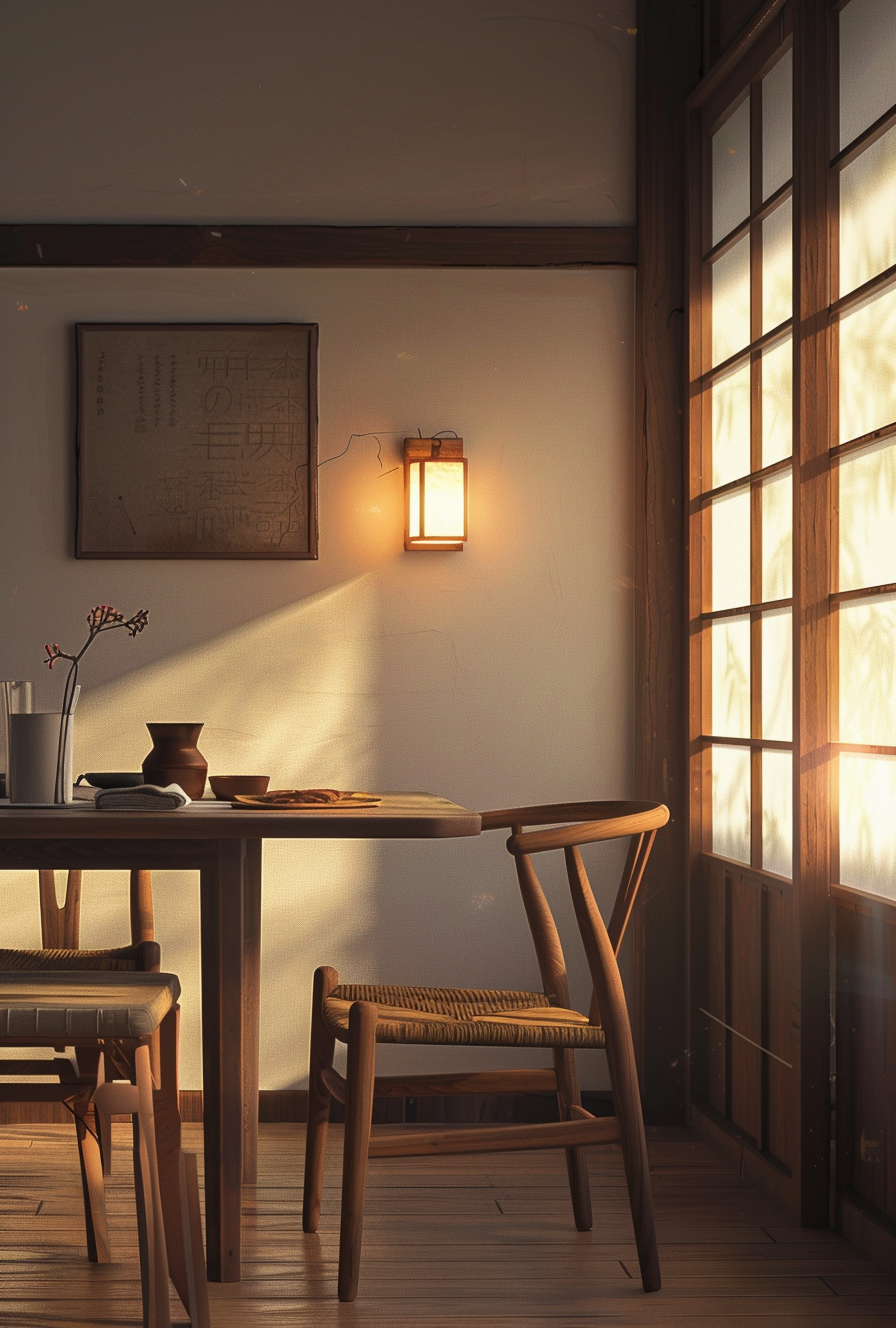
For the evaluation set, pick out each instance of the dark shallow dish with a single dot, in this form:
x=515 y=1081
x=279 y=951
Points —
x=106 y=779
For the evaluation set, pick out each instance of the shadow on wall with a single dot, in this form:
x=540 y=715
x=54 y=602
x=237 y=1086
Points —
x=291 y=695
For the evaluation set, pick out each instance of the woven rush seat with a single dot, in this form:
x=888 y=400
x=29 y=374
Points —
x=452 y=1016
x=125 y=959
x=66 y=1004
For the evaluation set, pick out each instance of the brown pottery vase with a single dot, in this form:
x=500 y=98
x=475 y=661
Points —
x=175 y=758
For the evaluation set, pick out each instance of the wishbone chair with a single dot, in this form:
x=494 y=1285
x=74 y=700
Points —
x=362 y=1015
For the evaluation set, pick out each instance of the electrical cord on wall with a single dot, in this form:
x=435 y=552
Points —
x=395 y=433
x=379 y=450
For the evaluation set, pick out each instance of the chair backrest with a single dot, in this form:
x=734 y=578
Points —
x=60 y=925
x=572 y=825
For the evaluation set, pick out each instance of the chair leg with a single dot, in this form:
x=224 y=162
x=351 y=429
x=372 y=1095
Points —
x=321 y=1058
x=156 y=1295
x=627 y=1101
x=104 y=1133
x=358 y=1114
x=91 y=1158
x=144 y=1242
x=186 y=1273
x=568 y=1095
x=194 y=1252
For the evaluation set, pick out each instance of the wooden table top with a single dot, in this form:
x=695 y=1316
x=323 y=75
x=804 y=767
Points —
x=398 y=816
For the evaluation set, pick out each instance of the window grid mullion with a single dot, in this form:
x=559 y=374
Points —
x=756 y=588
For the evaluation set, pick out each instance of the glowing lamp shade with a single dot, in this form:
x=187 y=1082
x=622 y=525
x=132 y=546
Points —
x=435 y=481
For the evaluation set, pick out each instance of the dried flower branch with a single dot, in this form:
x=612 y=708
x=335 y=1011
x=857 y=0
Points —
x=101 y=618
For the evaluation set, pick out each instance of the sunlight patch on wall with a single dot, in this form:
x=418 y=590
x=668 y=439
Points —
x=290 y=695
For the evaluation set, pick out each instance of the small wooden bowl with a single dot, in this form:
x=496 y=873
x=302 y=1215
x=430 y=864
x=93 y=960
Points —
x=226 y=787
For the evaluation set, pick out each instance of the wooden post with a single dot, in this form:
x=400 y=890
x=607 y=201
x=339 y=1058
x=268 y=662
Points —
x=669 y=54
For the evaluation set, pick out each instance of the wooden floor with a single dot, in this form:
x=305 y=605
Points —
x=460 y=1241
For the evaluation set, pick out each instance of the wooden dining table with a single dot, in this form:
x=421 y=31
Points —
x=223 y=844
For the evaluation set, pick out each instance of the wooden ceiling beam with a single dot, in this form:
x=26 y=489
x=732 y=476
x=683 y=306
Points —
x=139 y=245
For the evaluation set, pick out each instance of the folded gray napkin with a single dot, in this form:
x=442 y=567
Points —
x=142 y=798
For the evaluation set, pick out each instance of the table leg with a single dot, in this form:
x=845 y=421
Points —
x=251 y=993
x=221 y=934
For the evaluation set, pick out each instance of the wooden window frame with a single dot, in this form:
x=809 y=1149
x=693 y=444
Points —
x=721 y=887
x=737 y=895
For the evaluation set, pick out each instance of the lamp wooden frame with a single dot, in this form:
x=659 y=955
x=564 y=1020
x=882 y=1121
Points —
x=422 y=450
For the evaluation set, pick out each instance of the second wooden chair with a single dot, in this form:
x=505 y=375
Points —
x=76 y=1077
x=362 y=1015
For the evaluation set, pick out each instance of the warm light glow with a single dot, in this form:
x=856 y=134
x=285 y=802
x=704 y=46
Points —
x=442 y=492
x=436 y=482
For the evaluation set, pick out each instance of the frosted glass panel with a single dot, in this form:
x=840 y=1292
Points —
x=731 y=427
x=868 y=672
x=731 y=301
x=867 y=64
x=777 y=125
x=867 y=505
x=868 y=823
x=731 y=173
x=777 y=403
x=777 y=812
x=868 y=214
x=868 y=366
x=731 y=550
x=777 y=542
x=777 y=267
x=777 y=676
x=731 y=802
x=731 y=678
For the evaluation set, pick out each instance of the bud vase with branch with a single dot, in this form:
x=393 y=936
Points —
x=101 y=618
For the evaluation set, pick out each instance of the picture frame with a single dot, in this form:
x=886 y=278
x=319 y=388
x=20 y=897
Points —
x=197 y=440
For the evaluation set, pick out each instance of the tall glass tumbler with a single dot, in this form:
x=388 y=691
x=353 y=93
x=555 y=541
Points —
x=16 y=698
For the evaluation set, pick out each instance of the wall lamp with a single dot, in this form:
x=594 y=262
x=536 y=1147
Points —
x=435 y=486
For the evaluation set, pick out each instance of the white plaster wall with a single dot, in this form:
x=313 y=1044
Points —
x=493 y=676
x=332 y=111
x=499 y=675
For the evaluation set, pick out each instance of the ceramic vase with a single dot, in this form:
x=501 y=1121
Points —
x=175 y=758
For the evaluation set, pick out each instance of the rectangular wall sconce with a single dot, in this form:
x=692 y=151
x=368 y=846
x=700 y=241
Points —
x=435 y=485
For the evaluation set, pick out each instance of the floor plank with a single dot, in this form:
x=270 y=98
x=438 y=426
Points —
x=449 y=1243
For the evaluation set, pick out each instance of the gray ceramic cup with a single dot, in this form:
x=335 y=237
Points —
x=33 y=750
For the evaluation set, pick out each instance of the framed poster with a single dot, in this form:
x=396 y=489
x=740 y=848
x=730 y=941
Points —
x=197 y=440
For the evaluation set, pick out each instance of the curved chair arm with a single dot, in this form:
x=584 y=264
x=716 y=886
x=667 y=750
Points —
x=603 y=820
x=550 y=813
